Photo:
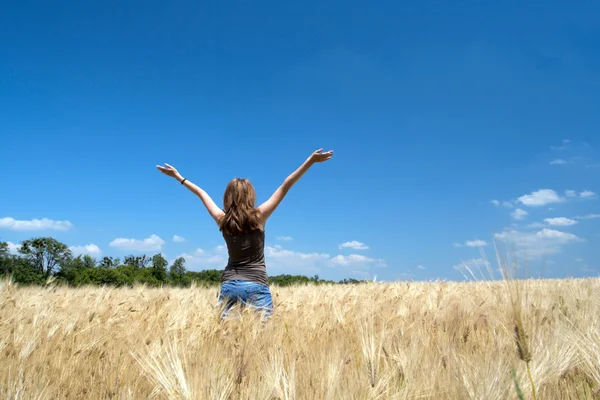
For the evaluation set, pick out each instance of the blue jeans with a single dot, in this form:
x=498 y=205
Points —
x=253 y=294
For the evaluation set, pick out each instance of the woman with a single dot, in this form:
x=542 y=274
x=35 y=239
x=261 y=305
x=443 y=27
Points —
x=245 y=278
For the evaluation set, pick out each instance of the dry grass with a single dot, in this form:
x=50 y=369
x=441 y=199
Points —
x=370 y=341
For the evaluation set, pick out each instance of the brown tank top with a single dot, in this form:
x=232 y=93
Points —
x=246 y=258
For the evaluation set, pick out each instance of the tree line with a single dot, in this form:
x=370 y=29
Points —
x=41 y=259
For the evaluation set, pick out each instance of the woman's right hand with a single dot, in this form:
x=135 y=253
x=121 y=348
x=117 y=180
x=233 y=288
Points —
x=319 y=156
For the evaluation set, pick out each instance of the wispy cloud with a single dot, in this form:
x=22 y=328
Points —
x=353 y=259
x=34 y=224
x=281 y=260
x=90 y=249
x=536 y=225
x=560 y=221
x=504 y=203
x=589 y=216
x=559 y=161
x=152 y=243
x=421 y=267
x=290 y=261
x=519 y=214
x=178 y=239
x=586 y=194
x=476 y=243
x=198 y=261
x=475 y=268
x=570 y=193
x=354 y=245
x=284 y=238
x=536 y=244
x=564 y=146
x=540 y=198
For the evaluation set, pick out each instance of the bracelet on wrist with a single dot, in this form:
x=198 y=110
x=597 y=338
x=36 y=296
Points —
x=184 y=179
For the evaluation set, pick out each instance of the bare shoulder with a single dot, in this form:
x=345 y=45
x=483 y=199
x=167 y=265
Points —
x=262 y=218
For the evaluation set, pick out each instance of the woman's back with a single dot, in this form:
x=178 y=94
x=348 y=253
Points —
x=243 y=227
x=246 y=257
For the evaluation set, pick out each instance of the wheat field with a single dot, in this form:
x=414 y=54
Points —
x=403 y=340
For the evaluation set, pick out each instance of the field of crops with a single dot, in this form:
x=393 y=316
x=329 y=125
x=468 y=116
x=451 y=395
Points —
x=401 y=340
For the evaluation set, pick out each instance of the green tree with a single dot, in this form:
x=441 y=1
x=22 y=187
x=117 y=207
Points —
x=45 y=254
x=159 y=267
x=25 y=272
x=107 y=262
x=4 y=258
x=137 y=261
x=71 y=269
x=89 y=261
x=177 y=270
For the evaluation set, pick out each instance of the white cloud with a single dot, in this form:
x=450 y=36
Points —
x=354 y=245
x=563 y=147
x=457 y=245
x=519 y=214
x=536 y=244
x=34 y=224
x=540 y=198
x=421 y=267
x=586 y=194
x=504 y=203
x=178 y=239
x=554 y=234
x=476 y=243
x=589 y=216
x=90 y=249
x=278 y=253
x=286 y=261
x=570 y=193
x=199 y=261
x=284 y=238
x=152 y=243
x=560 y=221
x=354 y=259
x=558 y=161
x=579 y=259
x=536 y=225
x=13 y=248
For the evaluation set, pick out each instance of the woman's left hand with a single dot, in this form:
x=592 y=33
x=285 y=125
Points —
x=168 y=170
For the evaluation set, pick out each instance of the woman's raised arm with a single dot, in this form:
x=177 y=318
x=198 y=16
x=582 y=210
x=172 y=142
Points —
x=266 y=209
x=214 y=210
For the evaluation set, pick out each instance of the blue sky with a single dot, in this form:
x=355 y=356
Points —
x=436 y=111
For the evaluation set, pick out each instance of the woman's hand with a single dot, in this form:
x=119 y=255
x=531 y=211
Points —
x=319 y=156
x=169 y=171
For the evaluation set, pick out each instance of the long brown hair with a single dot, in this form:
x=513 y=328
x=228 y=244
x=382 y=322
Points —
x=238 y=203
